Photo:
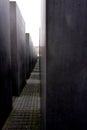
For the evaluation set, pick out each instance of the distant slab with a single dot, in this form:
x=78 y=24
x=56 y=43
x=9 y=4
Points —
x=27 y=56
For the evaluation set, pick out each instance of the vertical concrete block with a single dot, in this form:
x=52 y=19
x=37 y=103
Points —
x=43 y=63
x=18 y=46
x=5 y=62
x=27 y=55
x=31 y=54
x=66 y=65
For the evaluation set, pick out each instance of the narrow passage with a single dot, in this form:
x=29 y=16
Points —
x=26 y=108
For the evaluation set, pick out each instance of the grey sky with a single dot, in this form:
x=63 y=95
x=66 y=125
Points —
x=30 y=10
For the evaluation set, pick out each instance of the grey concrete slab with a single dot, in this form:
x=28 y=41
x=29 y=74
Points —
x=33 y=81
x=35 y=73
x=66 y=65
x=18 y=46
x=5 y=62
x=27 y=55
x=35 y=76
x=32 y=54
x=31 y=63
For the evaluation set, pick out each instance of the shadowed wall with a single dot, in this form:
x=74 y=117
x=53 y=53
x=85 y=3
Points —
x=18 y=48
x=5 y=62
x=66 y=65
x=27 y=55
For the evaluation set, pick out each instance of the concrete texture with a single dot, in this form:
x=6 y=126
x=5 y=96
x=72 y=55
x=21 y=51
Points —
x=27 y=55
x=5 y=62
x=26 y=113
x=18 y=48
x=35 y=75
x=33 y=81
x=32 y=55
x=66 y=66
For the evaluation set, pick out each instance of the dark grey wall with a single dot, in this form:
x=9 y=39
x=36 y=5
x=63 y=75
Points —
x=14 y=53
x=5 y=62
x=18 y=43
x=27 y=55
x=31 y=54
x=21 y=42
x=66 y=73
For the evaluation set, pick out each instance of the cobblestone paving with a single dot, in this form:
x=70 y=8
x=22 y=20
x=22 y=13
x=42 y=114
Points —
x=26 y=108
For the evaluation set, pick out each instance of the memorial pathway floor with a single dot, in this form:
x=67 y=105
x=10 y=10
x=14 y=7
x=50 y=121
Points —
x=26 y=108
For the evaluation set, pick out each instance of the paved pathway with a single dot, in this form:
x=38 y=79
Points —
x=26 y=108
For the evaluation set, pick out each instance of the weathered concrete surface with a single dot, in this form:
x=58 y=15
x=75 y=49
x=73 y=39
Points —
x=32 y=55
x=5 y=62
x=27 y=55
x=66 y=91
x=18 y=48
